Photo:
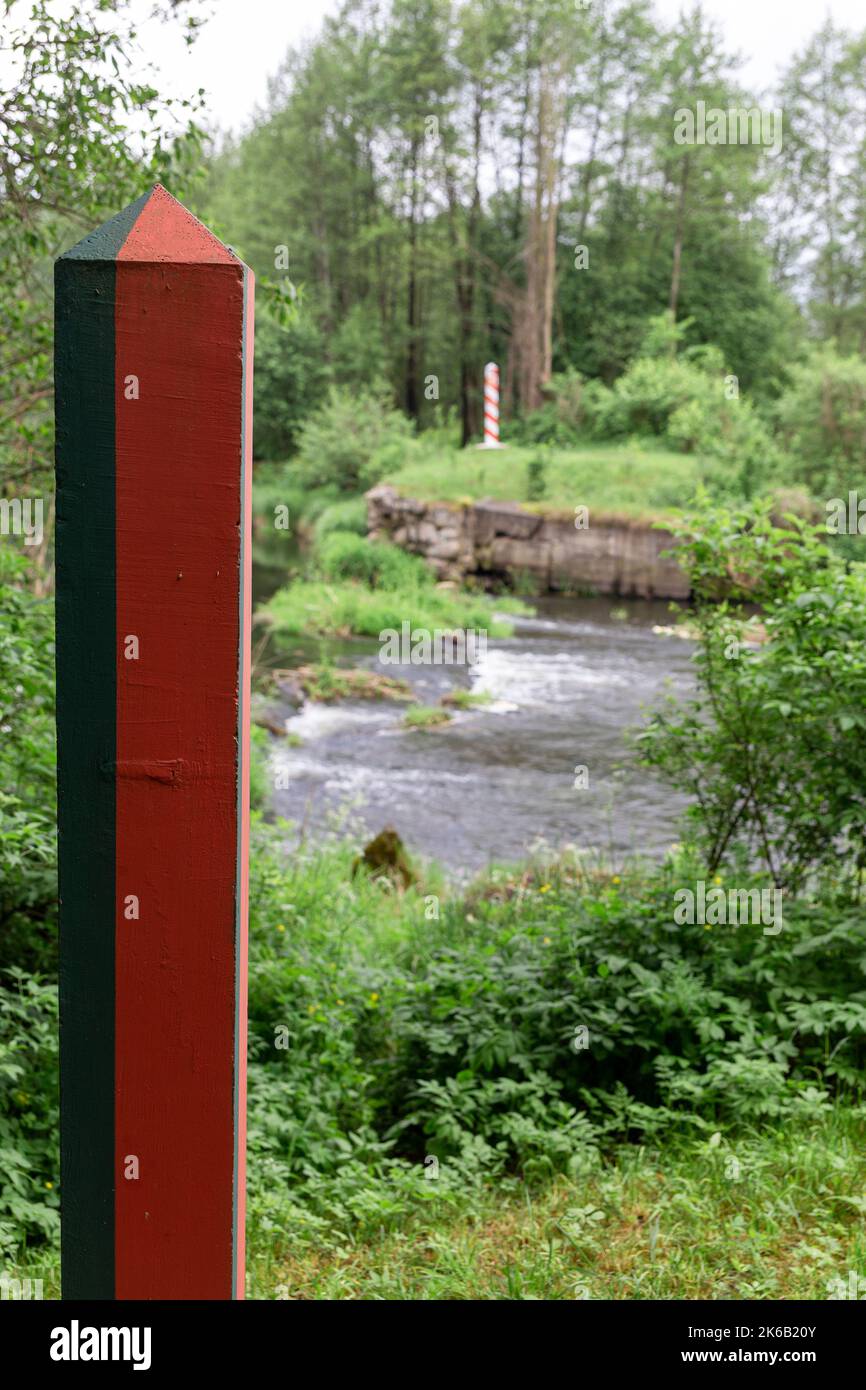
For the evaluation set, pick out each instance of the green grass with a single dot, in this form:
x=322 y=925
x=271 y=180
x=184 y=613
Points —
x=635 y=480
x=357 y=587
x=326 y=684
x=317 y=608
x=664 y=1222
x=425 y=717
x=458 y=698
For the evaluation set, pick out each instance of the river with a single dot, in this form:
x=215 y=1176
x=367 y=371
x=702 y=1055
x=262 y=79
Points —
x=564 y=690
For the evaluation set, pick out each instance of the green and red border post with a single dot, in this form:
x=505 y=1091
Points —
x=153 y=361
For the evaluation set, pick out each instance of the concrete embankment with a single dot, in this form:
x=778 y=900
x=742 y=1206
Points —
x=502 y=540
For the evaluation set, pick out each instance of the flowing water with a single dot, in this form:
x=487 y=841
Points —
x=564 y=689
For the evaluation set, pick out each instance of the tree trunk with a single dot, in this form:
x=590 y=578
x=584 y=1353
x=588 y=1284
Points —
x=678 y=240
x=411 y=383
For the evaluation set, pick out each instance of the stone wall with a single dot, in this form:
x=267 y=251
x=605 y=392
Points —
x=497 y=539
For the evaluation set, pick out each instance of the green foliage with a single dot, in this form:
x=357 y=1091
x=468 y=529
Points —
x=567 y=416
x=536 y=479
x=695 y=1217
x=291 y=379
x=411 y=1036
x=349 y=514
x=362 y=587
x=466 y=699
x=425 y=717
x=822 y=418
x=692 y=403
x=28 y=868
x=772 y=747
x=72 y=94
x=358 y=354
x=259 y=782
x=687 y=401
x=324 y=608
x=29 y=1119
x=373 y=563
x=352 y=441
x=640 y=478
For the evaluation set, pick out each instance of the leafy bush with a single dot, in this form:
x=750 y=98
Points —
x=363 y=587
x=29 y=1120
x=291 y=379
x=406 y=1036
x=325 y=607
x=375 y=563
x=691 y=403
x=536 y=482
x=772 y=748
x=644 y=398
x=28 y=856
x=822 y=418
x=349 y=514
x=568 y=416
x=357 y=350
x=352 y=441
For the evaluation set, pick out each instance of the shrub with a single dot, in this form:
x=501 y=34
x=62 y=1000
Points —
x=822 y=418
x=536 y=482
x=325 y=608
x=772 y=747
x=28 y=856
x=352 y=441
x=29 y=1120
x=425 y=717
x=291 y=379
x=349 y=514
x=357 y=349
x=375 y=563
x=454 y=1036
x=570 y=413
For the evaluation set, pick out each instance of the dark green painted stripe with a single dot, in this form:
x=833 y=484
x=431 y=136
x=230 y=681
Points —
x=107 y=240
x=86 y=736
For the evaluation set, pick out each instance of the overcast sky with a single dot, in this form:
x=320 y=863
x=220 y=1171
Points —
x=246 y=39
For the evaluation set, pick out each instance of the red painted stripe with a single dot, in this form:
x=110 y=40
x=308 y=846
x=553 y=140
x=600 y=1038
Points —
x=178 y=329
x=244 y=879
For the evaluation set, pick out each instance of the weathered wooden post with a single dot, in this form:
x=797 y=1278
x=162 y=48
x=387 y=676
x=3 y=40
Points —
x=154 y=321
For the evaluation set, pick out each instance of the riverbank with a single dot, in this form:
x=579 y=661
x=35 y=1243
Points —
x=531 y=550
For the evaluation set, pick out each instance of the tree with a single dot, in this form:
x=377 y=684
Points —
x=821 y=199
x=67 y=161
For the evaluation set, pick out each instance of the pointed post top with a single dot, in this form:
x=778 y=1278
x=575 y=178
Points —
x=155 y=228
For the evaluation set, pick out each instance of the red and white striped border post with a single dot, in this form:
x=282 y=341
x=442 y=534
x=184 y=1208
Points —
x=491 y=407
